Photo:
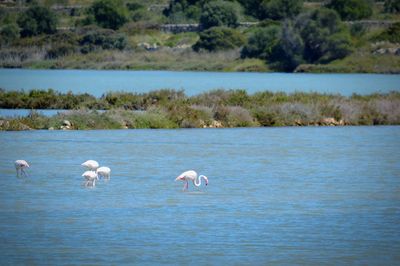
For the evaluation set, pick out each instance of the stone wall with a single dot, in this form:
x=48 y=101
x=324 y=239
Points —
x=372 y=23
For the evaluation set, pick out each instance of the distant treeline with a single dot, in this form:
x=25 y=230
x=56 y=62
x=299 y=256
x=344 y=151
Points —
x=217 y=108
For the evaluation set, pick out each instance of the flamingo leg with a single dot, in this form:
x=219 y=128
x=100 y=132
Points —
x=22 y=171
x=186 y=186
x=17 y=171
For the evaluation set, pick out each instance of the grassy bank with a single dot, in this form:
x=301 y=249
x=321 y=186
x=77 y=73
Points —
x=217 y=108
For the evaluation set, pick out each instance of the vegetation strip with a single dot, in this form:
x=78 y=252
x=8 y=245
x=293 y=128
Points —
x=217 y=108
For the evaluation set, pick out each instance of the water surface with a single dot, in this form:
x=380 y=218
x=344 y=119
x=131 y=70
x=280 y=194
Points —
x=97 y=82
x=311 y=195
x=12 y=113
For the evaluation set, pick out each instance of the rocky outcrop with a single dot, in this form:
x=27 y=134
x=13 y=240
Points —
x=372 y=23
x=178 y=28
x=214 y=124
x=390 y=51
x=195 y=27
x=326 y=121
x=330 y=121
x=147 y=46
x=66 y=125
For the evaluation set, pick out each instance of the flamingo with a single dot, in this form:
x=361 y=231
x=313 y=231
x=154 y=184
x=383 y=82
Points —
x=104 y=171
x=91 y=165
x=19 y=166
x=191 y=175
x=90 y=177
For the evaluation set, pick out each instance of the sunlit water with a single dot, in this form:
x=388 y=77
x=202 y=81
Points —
x=97 y=82
x=288 y=196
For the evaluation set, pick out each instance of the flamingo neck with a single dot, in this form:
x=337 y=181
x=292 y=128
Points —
x=197 y=184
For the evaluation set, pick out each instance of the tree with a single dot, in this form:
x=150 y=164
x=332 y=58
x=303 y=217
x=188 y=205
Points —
x=219 y=38
x=288 y=53
x=262 y=42
x=109 y=14
x=314 y=37
x=392 y=6
x=282 y=47
x=351 y=9
x=37 y=20
x=325 y=37
x=251 y=7
x=219 y=13
x=280 y=9
x=9 y=33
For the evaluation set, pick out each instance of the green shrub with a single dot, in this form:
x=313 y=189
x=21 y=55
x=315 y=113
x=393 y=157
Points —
x=153 y=119
x=185 y=116
x=82 y=119
x=104 y=39
x=357 y=30
x=219 y=13
x=265 y=117
x=219 y=38
x=183 y=11
x=330 y=110
x=352 y=9
x=9 y=33
x=262 y=42
x=150 y=119
x=37 y=20
x=392 y=6
x=239 y=117
x=60 y=50
x=392 y=34
x=109 y=14
x=133 y=6
x=280 y=9
x=141 y=14
x=252 y=7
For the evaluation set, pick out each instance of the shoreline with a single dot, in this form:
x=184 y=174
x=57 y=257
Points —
x=302 y=69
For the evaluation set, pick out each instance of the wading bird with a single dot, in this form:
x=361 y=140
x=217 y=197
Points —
x=104 y=171
x=19 y=166
x=191 y=175
x=91 y=165
x=91 y=178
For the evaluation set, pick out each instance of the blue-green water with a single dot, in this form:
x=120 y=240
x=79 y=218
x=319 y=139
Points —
x=97 y=82
x=310 y=195
x=11 y=113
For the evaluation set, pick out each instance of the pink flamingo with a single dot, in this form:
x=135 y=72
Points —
x=191 y=175
x=19 y=166
x=91 y=165
x=91 y=178
x=104 y=171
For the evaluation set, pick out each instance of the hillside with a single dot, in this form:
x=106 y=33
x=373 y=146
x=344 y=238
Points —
x=202 y=35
